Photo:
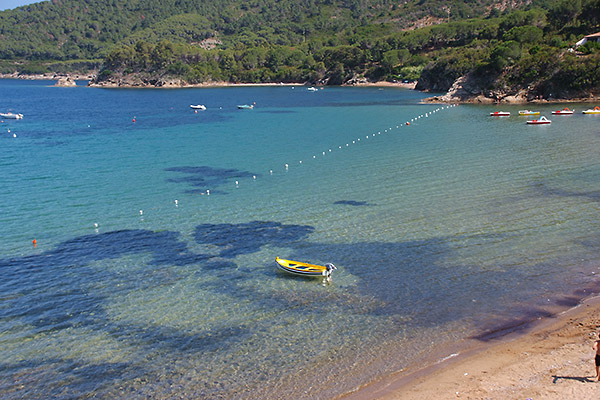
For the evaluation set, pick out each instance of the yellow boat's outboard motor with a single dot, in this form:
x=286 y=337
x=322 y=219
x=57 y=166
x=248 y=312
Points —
x=330 y=267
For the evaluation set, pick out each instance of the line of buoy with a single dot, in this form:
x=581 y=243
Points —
x=330 y=150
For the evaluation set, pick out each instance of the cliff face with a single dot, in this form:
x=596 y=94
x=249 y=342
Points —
x=138 y=80
x=471 y=88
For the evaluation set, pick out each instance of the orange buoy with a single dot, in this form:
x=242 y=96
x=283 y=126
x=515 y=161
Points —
x=408 y=123
x=34 y=243
x=133 y=119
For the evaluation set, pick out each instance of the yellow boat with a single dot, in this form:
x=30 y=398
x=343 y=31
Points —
x=527 y=112
x=300 y=268
x=596 y=110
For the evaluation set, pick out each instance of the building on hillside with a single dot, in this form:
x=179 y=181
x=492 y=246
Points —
x=592 y=37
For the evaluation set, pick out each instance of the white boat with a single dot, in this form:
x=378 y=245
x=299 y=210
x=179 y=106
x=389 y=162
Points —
x=542 y=121
x=564 y=111
x=246 y=107
x=312 y=89
x=500 y=114
x=11 y=116
x=198 y=107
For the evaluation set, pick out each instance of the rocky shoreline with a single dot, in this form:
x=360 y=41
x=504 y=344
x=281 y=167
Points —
x=462 y=91
x=466 y=90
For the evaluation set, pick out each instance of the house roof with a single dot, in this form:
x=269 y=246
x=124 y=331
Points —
x=593 y=35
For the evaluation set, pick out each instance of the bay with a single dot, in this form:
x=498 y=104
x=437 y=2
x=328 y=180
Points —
x=153 y=273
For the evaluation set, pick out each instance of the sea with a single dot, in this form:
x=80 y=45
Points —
x=139 y=236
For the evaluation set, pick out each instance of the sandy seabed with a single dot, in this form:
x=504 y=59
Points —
x=553 y=359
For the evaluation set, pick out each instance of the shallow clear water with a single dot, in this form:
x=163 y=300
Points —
x=455 y=225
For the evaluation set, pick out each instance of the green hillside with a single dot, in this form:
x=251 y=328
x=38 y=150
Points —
x=331 y=42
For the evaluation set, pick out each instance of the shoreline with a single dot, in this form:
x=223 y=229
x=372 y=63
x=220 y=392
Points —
x=547 y=358
x=66 y=80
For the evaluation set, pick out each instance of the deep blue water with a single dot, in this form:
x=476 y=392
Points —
x=154 y=274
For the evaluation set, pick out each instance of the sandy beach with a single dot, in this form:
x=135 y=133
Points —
x=552 y=359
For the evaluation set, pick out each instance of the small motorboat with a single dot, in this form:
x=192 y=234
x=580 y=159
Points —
x=542 y=121
x=528 y=112
x=198 y=107
x=312 y=89
x=596 y=110
x=10 y=115
x=246 y=107
x=300 y=268
x=500 y=114
x=564 y=111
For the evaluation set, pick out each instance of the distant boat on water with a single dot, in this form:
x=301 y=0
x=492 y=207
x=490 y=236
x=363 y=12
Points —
x=596 y=110
x=542 y=121
x=528 y=112
x=246 y=107
x=564 y=111
x=11 y=116
x=198 y=107
x=500 y=114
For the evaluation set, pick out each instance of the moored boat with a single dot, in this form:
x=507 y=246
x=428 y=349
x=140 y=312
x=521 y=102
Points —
x=305 y=269
x=596 y=110
x=564 y=111
x=528 y=112
x=500 y=114
x=10 y=115
x=542 y=121
x=198 y=107
x=246 y=107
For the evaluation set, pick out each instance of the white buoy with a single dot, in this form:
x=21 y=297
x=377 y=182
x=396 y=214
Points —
x=254 y=177
x=236 y=183
x=141 y=212
x=96 y=225
x=271 y=172
x=176 y=203
x=14 y=135
x=207 y=192
x=300 y=161
x=314 y=156
x=287 y=166
x=323 y=153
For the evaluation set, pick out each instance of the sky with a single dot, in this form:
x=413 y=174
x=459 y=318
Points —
x=10 y=4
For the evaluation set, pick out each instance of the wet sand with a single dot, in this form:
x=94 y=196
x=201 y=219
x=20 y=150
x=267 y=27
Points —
x=551 y=359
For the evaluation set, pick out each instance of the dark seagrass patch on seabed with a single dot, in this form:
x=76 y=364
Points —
x=203 y=178
x=247 y=238
x=352 y=203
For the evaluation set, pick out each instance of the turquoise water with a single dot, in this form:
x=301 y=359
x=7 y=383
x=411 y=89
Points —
x=154 y=274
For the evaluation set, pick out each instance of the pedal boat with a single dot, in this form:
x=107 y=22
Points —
x=300 y=268
x=596 y=110
x=564 y=111
x=542 y=121
x=527 y=112
x=500 y=114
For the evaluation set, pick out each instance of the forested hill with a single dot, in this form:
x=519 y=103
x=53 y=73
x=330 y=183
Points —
x=84 y=29
x=501 y=47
